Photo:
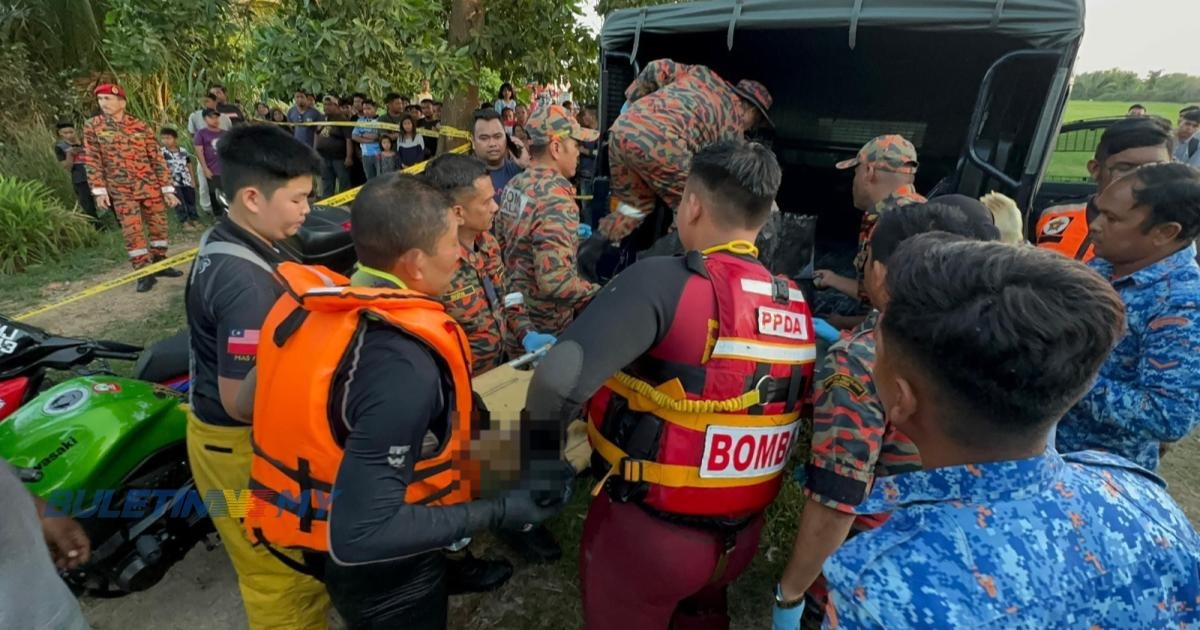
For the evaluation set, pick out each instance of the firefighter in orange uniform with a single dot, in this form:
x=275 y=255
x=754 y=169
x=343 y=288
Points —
x=693 y=372
x=1125 y=145
x=127 y=174
x=373 y=456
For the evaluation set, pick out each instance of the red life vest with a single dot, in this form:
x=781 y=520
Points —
x=703 y=424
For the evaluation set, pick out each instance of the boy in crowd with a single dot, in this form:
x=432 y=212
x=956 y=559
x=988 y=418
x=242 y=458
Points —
x=69 y=152
x=205 y=141
x=232 y=287
x=179 y=163
x=368 y=140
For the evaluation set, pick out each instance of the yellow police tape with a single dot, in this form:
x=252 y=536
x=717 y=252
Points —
x=339 y=199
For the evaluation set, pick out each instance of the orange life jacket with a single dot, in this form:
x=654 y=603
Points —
x=704 y=423
x=296 y=455
x=1064 y=229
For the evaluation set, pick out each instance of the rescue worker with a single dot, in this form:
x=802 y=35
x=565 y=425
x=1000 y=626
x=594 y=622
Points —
x=696 y=368
x=976 y=363
x=884 y=171
x=540 y=223
x=852 y=442
x=376 y=451
x=492 y=317
x=268 y=174
x=1124 y=146
x=674 y=109
x=1148 y=391
x=127 y=174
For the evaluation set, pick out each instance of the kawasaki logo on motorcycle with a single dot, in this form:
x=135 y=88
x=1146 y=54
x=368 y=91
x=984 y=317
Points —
x=63 y=447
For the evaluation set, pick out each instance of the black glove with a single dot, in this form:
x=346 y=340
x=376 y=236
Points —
x=520 y=512
x=589 y=256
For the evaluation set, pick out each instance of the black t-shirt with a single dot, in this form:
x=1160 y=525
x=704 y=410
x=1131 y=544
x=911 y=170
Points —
x=331 y=141
x=78 y=171
x=236 y=117
x=227 y=300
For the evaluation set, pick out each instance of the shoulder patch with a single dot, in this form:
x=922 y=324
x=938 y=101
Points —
x=846 y=382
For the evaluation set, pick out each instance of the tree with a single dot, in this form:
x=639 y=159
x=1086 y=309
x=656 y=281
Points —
x=1123 y=85
x=167 y=52
x=370 y=46
x=604 y=7
x=554 y=47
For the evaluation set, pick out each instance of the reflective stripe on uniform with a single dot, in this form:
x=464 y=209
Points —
x=763 y=352
x=134 y=253
x=513 y=299
x=158 y=243
x=762 y=287
x=668 y=475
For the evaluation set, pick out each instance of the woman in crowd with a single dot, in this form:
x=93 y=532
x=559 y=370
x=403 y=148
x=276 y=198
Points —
x=506 y=99
x=410 y=147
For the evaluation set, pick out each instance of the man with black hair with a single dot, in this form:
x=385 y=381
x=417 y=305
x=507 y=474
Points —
x=393 y=114
x=68 y=150
x=1187 y=151
x=268 y=177
x=976 y=363
x=301 y=113
x=1124 y=146
x=399 y=396
x=1148 y=392
x=1136 y=110
x=852 y=442
x=692 y=371
x=227 y=109
x=490 y=144
x=493 y=318
x=336 y=149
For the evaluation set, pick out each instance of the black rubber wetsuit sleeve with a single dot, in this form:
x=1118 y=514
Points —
x=628 y=317
x=393 y=396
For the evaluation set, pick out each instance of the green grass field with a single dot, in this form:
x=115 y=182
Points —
x=1072 y=165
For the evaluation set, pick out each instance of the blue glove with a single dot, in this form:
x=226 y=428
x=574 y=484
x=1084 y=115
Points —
x=585 y=230
x=825 y=331
x=625 y=107
x=533 y=341
x=787 y=618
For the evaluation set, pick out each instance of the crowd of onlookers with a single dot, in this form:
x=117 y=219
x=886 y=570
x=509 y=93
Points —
x=370 y=138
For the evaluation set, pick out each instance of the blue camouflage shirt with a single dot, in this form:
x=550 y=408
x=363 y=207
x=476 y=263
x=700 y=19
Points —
x=1077 y=541
x=1148 y=390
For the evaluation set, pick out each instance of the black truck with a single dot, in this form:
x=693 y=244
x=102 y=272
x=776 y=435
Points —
x=979 y=87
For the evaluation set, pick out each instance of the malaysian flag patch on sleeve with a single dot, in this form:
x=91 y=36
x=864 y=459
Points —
x=242 y=341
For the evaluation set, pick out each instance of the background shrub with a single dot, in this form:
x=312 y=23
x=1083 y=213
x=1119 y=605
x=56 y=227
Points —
x=36 y=227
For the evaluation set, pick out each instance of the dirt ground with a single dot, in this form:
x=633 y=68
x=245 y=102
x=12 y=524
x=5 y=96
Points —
x=200 y=593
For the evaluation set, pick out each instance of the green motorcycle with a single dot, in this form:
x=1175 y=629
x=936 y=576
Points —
x=109 y=451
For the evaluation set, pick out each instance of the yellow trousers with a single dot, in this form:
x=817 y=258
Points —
x=275 y=596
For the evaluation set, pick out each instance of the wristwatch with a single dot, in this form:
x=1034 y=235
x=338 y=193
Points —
x=784 y=604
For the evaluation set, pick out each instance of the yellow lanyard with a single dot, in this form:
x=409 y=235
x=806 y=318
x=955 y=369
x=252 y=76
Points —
x=382 y=275
x=739 y=248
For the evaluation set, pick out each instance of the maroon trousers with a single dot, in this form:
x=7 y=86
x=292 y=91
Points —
x=639 y=572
